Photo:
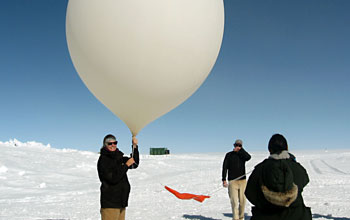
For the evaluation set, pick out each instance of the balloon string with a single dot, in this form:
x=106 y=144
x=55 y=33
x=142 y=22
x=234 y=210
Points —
x=220 y=188
x=210 y=193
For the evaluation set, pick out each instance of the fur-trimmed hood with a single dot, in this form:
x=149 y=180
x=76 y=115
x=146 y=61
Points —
x=281 y=198
x=278 y=181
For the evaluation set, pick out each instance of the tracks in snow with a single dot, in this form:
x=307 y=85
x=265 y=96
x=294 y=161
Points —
x=322 y=167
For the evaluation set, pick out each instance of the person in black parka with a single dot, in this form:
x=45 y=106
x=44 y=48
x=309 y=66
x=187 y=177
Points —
x=112 y=167
x=275 y=187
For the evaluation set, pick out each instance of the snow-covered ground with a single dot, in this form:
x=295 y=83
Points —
x=39 y=182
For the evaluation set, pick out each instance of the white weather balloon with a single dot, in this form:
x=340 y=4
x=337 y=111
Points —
x=142 y=58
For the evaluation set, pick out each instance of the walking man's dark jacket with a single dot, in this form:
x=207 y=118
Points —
x=275 y=189
x=112 y=171
x=234 y=164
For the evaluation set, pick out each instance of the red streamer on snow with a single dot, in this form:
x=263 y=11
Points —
x=199 y=198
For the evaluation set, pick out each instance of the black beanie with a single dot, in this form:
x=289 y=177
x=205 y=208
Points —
x=277 y=144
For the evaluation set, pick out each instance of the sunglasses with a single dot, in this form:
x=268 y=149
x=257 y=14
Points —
x=110 y=143
x=238 y=145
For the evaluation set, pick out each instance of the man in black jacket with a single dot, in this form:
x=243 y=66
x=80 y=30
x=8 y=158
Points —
x=234 y=164
x=275 y=187
x=112 y=169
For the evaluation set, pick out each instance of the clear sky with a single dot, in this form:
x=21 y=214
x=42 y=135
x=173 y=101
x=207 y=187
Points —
x=284 y=67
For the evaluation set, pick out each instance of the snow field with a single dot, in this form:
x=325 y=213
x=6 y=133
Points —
x=39 y=182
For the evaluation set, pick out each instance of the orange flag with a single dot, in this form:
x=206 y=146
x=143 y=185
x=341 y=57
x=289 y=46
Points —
x=199 y=198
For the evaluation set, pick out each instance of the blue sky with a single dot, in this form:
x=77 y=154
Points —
x=284 y=67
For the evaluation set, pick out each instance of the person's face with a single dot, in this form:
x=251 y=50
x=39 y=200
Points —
x=112 y=145
x=237 y=146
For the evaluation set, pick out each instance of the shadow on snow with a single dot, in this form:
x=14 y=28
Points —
x=230 y=215
x=198 y=217
x=201 y=217
x=246 y=217
x=329 y=217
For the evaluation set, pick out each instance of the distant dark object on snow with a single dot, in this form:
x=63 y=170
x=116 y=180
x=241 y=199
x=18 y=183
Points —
x=159 y=151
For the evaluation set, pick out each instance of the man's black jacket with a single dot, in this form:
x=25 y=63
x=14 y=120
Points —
x=234 y=164
x=112 y=171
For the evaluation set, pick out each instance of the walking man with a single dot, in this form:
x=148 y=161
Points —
x=234 y=165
